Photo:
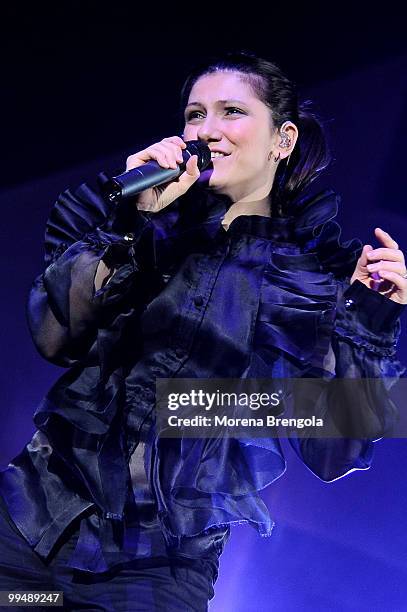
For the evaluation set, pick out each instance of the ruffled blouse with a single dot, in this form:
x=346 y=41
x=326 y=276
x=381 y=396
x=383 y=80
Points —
x=266 y=299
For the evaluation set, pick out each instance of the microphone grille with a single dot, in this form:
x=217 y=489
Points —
x=198 y=147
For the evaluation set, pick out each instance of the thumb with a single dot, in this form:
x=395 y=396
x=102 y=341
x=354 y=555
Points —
x=363 y=259
x=361 y=272
x=191 y=173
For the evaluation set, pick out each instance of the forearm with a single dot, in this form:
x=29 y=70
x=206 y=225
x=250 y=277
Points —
x=355 y=405
x=56 y=341
x=103 y=275
x=91 y=270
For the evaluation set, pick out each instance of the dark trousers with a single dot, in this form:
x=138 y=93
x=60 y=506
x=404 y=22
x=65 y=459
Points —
x=145 y=585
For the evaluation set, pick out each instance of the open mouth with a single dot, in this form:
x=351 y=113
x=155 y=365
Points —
x=218 y=156
x=215 y=158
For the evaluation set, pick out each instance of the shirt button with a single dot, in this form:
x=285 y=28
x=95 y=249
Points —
x=198 y=301
x=349 y=304
x=115 y=516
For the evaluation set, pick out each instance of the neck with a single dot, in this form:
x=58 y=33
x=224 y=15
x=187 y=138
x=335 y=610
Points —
x=256 y=207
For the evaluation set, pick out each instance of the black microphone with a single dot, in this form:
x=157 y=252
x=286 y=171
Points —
x=152 y=174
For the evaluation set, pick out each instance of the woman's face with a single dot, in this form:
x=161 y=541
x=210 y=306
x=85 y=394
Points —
x=224 y=112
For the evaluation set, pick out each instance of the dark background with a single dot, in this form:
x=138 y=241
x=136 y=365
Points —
x=85 y=84
x=77 y=75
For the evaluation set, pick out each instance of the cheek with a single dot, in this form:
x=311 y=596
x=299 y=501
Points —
x=190 y=132
x=249 y=142
x=256 y=153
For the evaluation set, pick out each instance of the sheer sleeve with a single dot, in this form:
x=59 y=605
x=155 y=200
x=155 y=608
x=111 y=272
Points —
x=64 y=309
x=363 y=346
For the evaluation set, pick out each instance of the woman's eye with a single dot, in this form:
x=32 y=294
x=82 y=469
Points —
x=193 y=115
x=233 y=108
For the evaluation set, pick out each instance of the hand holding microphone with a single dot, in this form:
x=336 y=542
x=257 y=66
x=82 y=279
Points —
x=161 y=173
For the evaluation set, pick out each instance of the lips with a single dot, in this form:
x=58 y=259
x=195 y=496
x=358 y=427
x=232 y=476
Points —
x=221 y=156
x=213 y=159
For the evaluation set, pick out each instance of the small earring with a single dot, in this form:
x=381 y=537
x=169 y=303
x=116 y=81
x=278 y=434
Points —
x=271 y=154
x=285 y=140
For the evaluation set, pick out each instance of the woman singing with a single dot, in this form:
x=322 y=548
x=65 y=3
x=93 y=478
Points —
x=233 y=272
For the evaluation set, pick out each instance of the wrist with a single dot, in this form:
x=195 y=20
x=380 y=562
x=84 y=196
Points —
x=375 y=311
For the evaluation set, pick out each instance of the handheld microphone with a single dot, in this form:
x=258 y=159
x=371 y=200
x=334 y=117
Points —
x=151 y=174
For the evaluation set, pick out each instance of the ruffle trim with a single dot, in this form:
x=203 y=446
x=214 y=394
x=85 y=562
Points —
x=204 y=494
x=309 y=224
x=316 y=232
x=74 y=215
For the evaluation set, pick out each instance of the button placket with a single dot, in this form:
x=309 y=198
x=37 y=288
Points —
x=193 y=304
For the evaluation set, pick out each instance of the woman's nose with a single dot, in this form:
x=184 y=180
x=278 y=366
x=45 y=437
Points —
x=209 y=130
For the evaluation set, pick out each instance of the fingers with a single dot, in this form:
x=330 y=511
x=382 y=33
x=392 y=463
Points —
x=167 y=153
x=389 y=254
x=384 y=260
x=394 y=277
x=176 y=140
x=392 y=266
x=137 y=159
x=387 y=264
x=385 y=238
x=173 y=147
x=177 y=188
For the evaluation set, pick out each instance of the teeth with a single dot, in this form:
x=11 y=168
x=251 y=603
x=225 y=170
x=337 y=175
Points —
x=216 y=154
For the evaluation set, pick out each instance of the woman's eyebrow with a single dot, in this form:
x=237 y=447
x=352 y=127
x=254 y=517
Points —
x=217 y=102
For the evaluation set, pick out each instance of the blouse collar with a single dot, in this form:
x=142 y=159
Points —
x=310 y=224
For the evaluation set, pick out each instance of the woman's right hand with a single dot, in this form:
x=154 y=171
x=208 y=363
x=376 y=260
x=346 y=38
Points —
x=167 y=153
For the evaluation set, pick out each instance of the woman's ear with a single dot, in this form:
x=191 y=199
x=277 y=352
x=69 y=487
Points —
x=288 y=136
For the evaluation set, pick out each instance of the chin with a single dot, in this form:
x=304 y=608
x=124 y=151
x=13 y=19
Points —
x=209 y=180
x=205 y=176
x=217 y=183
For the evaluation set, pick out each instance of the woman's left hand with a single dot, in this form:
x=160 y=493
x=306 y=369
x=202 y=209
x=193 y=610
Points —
x=383 y=269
